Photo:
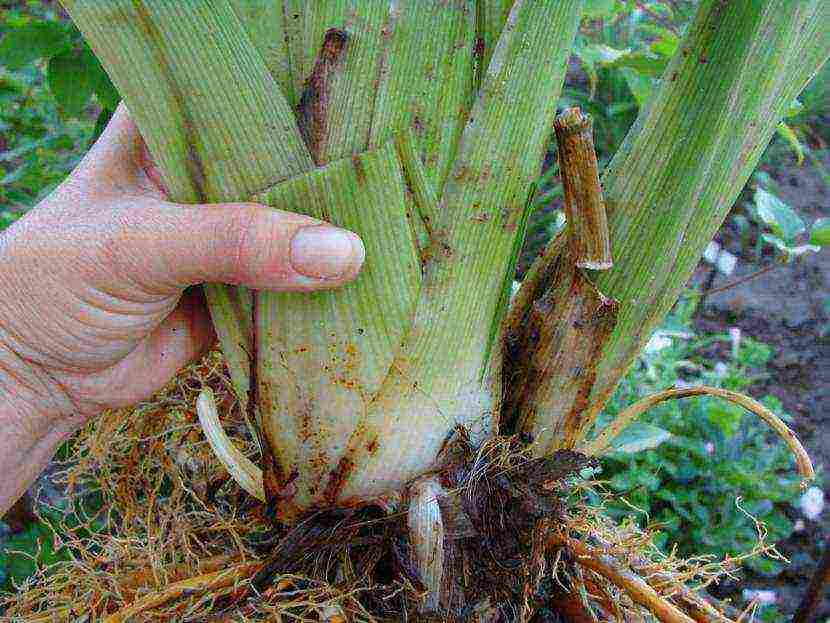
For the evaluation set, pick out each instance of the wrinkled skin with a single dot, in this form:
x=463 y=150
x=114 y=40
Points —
x=95 y=310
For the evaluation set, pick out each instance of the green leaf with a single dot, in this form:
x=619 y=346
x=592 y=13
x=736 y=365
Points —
x=108 y=96
x=70 y=81
x=778 y=216
x=776 y=242
x=820 y=232
x=640 y=436
x=603 y=54
x=596 y=54
x=642 y=62
x=727 y=417
x=32 y=40
x=795 y=108
x=640 y=85
x=666 y=45
x=789 y=135
x=791 y=252
x=599 y=9
x=23 y=552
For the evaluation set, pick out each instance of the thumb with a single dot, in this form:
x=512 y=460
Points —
x=119 y=162
x=169 y=246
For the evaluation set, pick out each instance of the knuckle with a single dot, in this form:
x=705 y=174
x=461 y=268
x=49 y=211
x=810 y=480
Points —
x=250 y=247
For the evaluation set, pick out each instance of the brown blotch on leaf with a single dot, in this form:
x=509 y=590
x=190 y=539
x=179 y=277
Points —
x=338 y=477
x=313 y=110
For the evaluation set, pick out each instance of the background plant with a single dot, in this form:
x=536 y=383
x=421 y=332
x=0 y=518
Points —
x=54 y=99
x=686 y=464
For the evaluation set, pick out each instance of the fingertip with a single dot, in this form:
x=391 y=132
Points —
x=327 y=253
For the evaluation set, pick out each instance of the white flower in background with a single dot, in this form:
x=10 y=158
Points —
x=721 y=369
x=709 y=447
x=799 y=525
x=723 y=260
x=812 y=503
x=735 y=338
x=657 y=343
x=726 y=262
x=760 y=597
x=662 y=338
x=711 y=253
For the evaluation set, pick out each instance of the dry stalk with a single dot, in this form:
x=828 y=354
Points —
x=585 y=209
x=603 y=441
x=189 y=587
x=636 y=588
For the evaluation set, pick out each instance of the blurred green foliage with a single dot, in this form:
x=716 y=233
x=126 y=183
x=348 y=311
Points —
x=620 y=53
x=54 y=99
x=23 y=553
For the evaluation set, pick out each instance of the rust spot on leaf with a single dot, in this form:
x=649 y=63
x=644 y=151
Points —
x=313 y=110
x=338 y=478
x=359 y=170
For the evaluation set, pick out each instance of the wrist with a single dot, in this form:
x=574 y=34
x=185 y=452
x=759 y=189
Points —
x=33 y=424
x=31 y=400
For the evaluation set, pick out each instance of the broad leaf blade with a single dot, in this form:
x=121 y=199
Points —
x=778 y=216
x=640 y=436
x=322 y=356
x=31 y=41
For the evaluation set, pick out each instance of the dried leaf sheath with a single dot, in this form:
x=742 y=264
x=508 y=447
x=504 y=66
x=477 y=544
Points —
x=587 y=225
x=553 y=365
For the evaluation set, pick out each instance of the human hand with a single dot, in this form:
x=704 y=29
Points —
x=93 y=309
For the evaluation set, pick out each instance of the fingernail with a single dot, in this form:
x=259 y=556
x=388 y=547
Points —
x=326 y=252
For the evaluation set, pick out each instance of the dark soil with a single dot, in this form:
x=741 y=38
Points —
x=786 y=308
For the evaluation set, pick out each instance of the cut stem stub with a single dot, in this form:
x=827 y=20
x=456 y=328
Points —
x=584 y=206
